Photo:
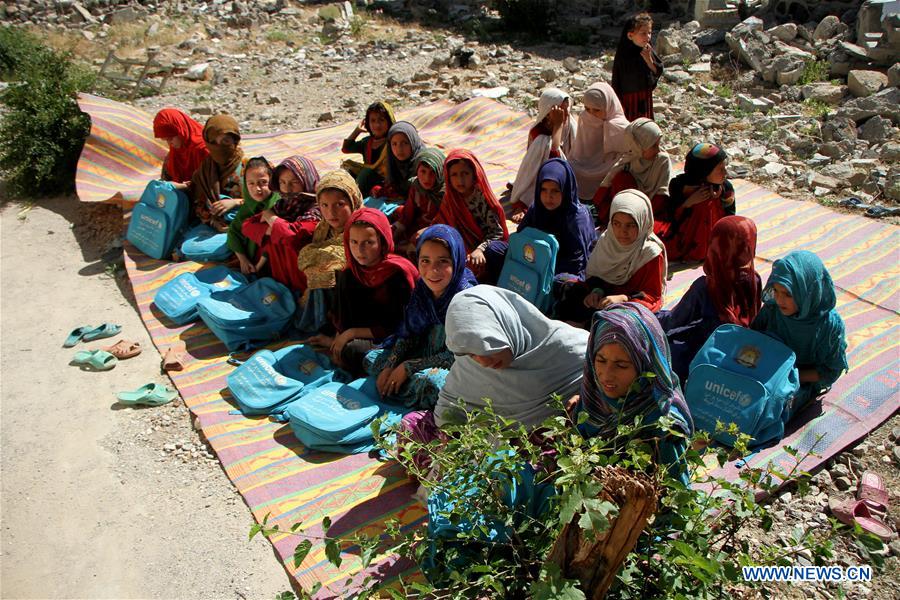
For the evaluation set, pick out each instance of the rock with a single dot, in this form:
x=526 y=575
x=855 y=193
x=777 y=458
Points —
x=273 y=99
x=571 y=64
x=677 y=76
x=817 y=180
x=747 y=25
x=88 y=35
x=710 y=37
x=700 y=67
x=325 y=116
x=841 y=172
x=842 y=483
x=893 y=75
x=200 y=71
x=773 y=169
x=669 y=40
x=866 y=83
x=853 y=51
x=785 y=32
x=753 y=104
x=202 y=110
x=885 y=103
x=838 y=129
x=393 y=81
x=824 y=92
x=495 y=92
x=548 y=74
x=123 y=15
x=827 y=28
x=840 y=468
x=895 y=547
x=876 y=130
x=82 y=15
x=890 y=152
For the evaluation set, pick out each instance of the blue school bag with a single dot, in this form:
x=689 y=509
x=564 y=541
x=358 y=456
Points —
x=178 y=298
x=337 y=417
x=744 y=377
x=381 y=204
x=250 y=315
x=204 y=244
x=267 y=382
x=529 y=267
x=158 y=219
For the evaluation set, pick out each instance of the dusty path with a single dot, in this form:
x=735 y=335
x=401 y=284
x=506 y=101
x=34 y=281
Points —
x=92 y=506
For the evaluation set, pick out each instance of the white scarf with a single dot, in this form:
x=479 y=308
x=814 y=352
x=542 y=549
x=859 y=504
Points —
x=653 y=175
x=600 y=142
x=615 y=263
x=538 y=151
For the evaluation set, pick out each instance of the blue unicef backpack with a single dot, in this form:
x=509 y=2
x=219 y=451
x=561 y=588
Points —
x=744 y=377
x=158 y=219
x=250 y=315
x=337 y=417
x=268 y=381
x=204 y=244
x=529 y=267
x=178 y=298
x=381 y=204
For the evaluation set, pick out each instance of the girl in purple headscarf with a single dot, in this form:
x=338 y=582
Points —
x=628 y=374
x=557 y=211
x=413 y=364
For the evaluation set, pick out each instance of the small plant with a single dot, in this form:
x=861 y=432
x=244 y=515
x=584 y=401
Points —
x=814 y=71
x=723 y=90
x=816 y=108
x=43 y=130
x=278 y=35
x=358 y=26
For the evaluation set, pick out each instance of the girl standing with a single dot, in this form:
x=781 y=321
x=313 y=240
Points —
x=636 y=67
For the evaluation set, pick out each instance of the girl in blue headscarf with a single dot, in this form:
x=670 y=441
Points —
x=557 y=211
x=798 y=309
x=628 y=374
x=412 y=365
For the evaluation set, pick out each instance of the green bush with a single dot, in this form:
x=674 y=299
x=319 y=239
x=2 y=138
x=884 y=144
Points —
x=42 y=130
x=694 y=546
x=814 y=71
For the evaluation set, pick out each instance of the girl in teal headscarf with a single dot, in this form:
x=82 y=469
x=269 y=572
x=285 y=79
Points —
x=798 y=309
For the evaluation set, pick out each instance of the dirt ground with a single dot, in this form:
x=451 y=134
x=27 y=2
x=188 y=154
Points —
x=93 y=506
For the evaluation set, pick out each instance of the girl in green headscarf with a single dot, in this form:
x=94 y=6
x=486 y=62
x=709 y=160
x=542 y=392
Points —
x=258 y=197
x=426 y=190
x=799 y=309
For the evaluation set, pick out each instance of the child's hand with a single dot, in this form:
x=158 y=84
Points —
x=477 y=258
x=268 y=216
x=381 y=382
x=337 y=346
x=614 y=299
x=702 y=194
x=247 y=267
x=220 y=207
x=556 y=117
x=647 y=55
x=593 y=300
x=260 y=264
x=396 y=379
x=319 y=342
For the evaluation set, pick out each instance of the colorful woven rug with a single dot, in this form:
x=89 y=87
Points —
x=280 y=478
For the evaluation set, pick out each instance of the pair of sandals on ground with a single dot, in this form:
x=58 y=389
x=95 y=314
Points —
x=868 y=509
x=104 y=359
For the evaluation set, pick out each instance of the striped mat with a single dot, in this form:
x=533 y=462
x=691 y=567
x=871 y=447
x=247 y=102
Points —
x=280 y=478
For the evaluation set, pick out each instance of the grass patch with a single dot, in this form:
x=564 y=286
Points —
x=814 y=71
x=278 y=35
x=723 y=90
x=816 y=108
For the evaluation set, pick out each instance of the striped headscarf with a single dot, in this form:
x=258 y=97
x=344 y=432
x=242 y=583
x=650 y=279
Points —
x=657 y=393
x=302 y=205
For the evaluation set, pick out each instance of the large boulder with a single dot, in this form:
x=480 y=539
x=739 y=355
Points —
x=785 y=32
x=827 y=28
x=876 y=130
x=866 y=83
x=885 y=103
x=773 y=59
x=893 y=75
x=839 y=129
x=824 y=92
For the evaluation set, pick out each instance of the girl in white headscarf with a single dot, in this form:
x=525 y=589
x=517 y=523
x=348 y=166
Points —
x=628 y=263
x=643 y=167
x=552 y=136
x=507 y=352
x=600 y=140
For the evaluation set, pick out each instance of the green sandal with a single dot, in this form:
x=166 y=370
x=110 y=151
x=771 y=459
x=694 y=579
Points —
x=103 y=331
x=152 y=394
x=98 y=360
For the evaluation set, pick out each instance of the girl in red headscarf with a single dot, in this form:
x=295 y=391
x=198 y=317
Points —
x=471 y=207
x=371 y=293
x=730 y=292
x=186 y=146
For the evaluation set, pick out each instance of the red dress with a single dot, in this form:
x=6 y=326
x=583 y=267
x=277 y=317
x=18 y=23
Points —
x=281 y=247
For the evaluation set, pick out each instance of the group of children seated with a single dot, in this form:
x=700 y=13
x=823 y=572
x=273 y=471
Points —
x=408 y=298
